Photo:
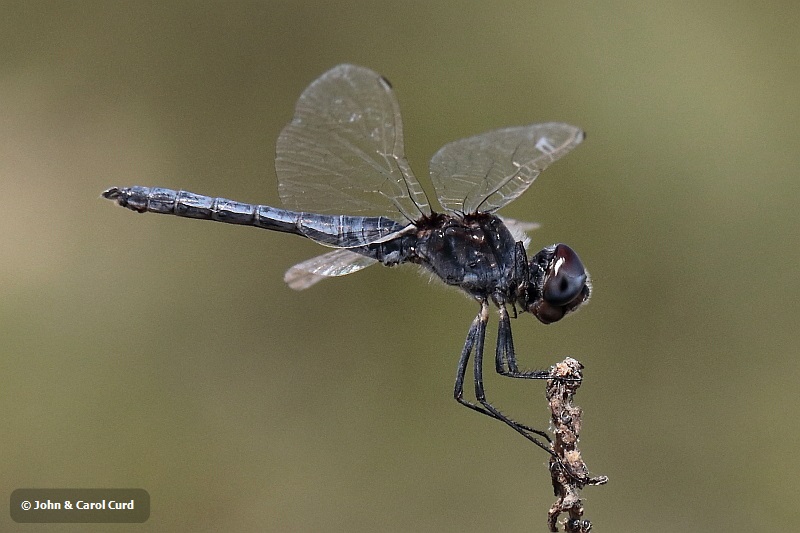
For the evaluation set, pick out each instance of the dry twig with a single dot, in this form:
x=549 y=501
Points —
x=567 y=469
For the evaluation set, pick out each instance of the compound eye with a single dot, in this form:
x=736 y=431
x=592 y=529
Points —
x=566 y=277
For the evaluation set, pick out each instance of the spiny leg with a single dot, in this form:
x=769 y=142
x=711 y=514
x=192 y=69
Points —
x=505 y=354
x=505 y=358
x=458 y=392
x=480 y=392
x=475 y=339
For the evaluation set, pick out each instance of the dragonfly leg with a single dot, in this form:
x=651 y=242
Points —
x=475 y=339
x=505 y=358
x=472 y=336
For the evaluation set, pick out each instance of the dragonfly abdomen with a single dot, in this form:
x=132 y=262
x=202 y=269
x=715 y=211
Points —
x=341 y=231
x=191 y=205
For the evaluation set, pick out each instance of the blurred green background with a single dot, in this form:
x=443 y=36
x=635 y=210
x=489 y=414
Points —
x=167 y=354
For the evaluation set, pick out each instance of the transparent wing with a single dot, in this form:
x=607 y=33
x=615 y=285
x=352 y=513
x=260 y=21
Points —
x=336 y=263
x=519 y=229
x=343 y=150
x=485 y=172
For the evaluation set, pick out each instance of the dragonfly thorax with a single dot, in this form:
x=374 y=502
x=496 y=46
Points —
x=474 y=252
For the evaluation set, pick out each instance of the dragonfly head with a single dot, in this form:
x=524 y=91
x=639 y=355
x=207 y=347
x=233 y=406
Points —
x=559 y=284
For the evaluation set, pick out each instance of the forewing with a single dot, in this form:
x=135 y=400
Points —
x=485 y=172
x=343 y=150
x=336 y=263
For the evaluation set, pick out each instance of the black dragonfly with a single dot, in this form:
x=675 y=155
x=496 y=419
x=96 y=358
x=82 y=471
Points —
x=346 y=184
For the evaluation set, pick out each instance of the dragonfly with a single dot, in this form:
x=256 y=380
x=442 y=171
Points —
x=345 y=182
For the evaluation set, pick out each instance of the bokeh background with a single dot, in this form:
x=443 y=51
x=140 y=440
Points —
x=167 y=354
